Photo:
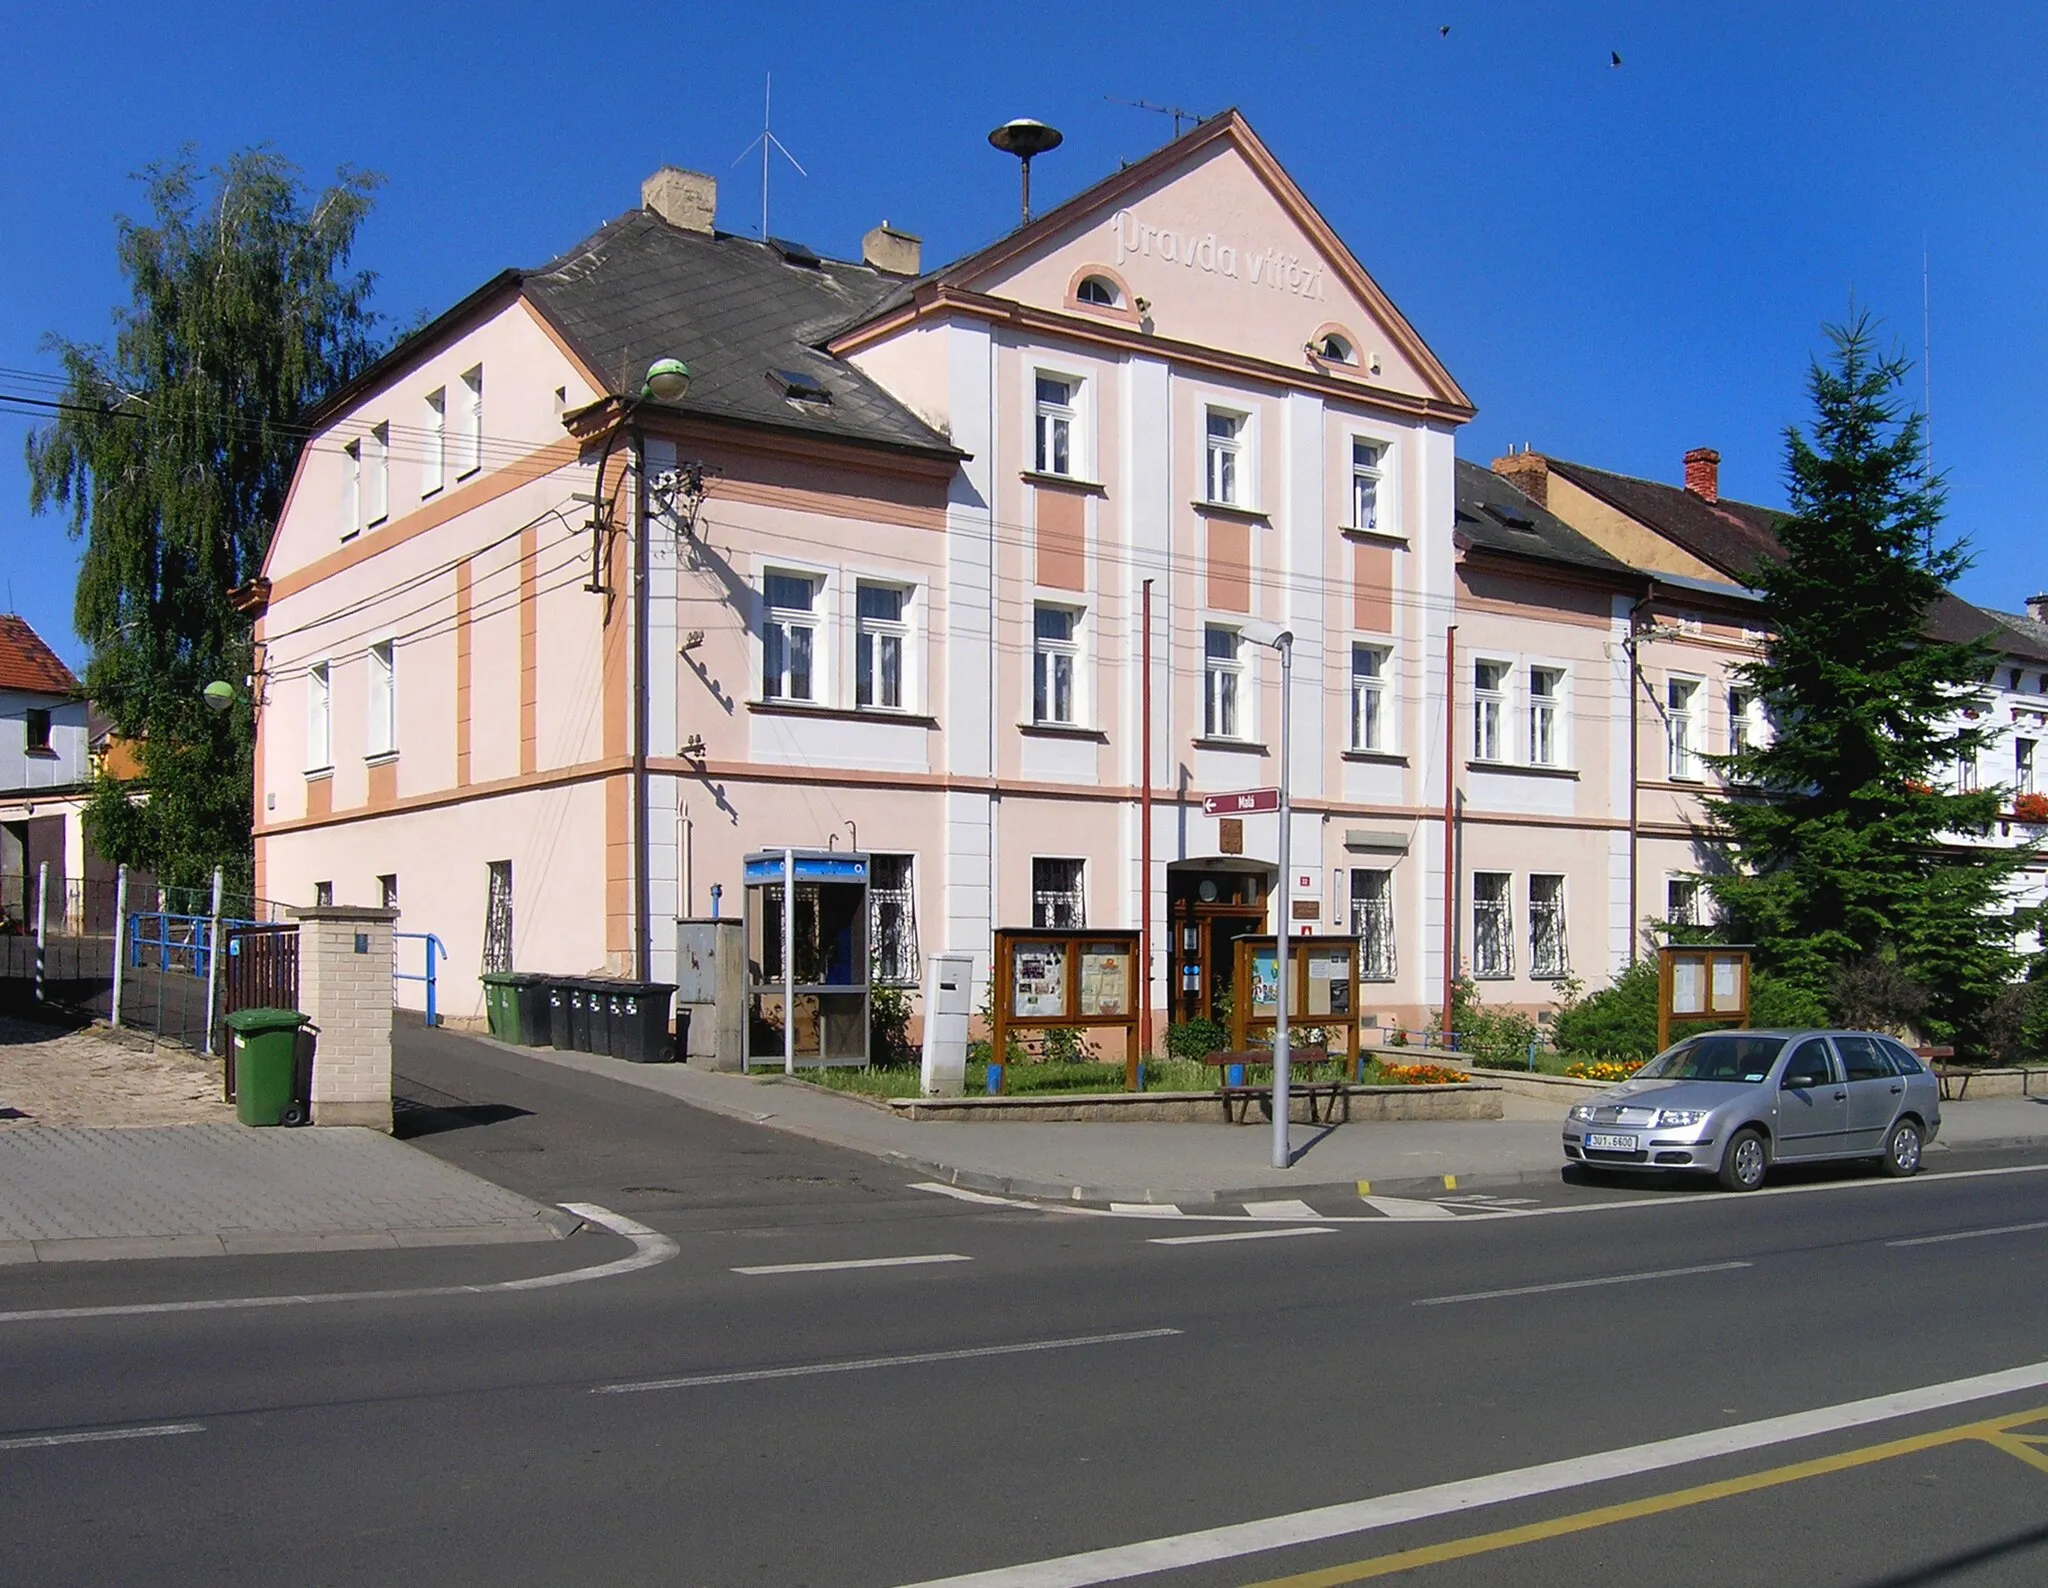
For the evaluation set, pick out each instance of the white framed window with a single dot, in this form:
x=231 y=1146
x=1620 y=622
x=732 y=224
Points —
x=1682 y=901
x=1546 y=718
x=2023 y=765
x=1365 y=483
x=323 y=893
x=1489 y=711
x=1223 y=675
x=789 y=637
x=1549 y=957
x=1369 y=697
x=383 y=713
x=352 y=490
x=1055 y=664
x=881 y=645
x=1493 y=925
x=1224 y=481
x=434 y=465
x=377 y=474
x=469 y=453
x=1372 y=919
x=1966 y=773
x=319 y=717
x=1100 y=291
x=1682 y=698
x=1059 y=893
x=1741 y=708
x=1058 y=412
x=892 y=919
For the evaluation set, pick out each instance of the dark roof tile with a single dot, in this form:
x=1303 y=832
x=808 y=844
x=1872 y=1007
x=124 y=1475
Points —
x=1492 y=515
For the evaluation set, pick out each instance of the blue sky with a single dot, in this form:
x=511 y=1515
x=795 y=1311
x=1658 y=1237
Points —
x=1617 y=264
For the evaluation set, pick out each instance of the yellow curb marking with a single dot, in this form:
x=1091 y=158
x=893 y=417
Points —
x=1365 y=1188
x=1450 y=1182
x=1997 y=1432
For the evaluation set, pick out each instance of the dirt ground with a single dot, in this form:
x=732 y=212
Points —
x=50 y=1076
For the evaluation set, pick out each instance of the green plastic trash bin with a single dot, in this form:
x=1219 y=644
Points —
x=266 y=1045
x=500 y=1011
x=528 y=998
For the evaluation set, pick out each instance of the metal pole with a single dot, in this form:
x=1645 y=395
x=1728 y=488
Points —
x=1282 y=1156
x=1450 y=825
x=789 y=962
x=212 y=960
x=120 y=940
x=42 y=921
x=639 y=543
x=1145 y=829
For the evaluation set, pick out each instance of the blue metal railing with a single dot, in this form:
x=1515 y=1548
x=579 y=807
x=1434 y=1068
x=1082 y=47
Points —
x=175 y=937
x=430 y=945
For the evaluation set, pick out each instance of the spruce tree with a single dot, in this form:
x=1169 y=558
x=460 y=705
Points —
x=172 y=452
x=1851 y=840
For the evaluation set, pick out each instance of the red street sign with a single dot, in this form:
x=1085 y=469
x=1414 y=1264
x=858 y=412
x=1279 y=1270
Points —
x=1249 y=802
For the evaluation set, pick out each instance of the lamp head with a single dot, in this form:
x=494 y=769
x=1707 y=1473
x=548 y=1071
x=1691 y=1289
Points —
x=668 y=379
x=218 y=695
x=1261 y=631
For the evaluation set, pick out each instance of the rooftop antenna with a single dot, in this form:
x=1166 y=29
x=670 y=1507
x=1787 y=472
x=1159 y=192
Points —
x=769 y=145
x=1179 y=115
x=1025 y=138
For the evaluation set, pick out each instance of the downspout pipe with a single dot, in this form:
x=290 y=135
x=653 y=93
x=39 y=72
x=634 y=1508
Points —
x=1635 y=756
x=642 y=543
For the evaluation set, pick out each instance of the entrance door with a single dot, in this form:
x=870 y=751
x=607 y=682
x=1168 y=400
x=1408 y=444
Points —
x=1207 y=912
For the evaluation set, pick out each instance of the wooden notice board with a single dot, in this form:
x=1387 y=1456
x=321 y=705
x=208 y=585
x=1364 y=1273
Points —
x=1324 y=970
x=1701 y=984
x=1046 y=980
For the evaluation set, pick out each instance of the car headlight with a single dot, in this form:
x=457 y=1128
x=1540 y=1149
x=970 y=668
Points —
x=1671 y=1117
x=1582 y=1112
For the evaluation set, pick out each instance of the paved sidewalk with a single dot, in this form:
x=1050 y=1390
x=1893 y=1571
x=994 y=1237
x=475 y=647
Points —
x=1188 y=1165
x=221 y=1189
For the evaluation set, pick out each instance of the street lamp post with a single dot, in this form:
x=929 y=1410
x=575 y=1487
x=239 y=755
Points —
x=1260 y=632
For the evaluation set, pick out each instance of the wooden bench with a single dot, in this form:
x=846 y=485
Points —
x=1299 y=1082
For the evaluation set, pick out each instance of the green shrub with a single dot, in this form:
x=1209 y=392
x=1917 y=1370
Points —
x=1195 y=1039
x=1066 y=1045
x=1491 y=1036
x=1621 y=1019
x=889 y=1026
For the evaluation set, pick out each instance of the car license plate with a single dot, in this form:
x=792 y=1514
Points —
x=1595 y=1142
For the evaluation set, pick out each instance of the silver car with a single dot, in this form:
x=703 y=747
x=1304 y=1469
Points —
x=1734 y=1103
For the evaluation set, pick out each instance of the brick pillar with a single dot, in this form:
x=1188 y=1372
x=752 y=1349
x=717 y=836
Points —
x=345 y=989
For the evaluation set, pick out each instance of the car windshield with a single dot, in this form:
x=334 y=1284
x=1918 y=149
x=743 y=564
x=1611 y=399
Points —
x=1737 y=1056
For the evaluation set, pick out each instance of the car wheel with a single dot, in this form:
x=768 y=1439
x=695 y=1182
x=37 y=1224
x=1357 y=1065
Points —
x=1744 y=1163
x=1902 y=1148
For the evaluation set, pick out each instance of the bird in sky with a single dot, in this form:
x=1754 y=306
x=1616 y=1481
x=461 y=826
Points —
x=1614 y=57
x=1444 y=32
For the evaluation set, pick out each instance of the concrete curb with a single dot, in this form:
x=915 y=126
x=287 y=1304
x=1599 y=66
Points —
x=551 y=1224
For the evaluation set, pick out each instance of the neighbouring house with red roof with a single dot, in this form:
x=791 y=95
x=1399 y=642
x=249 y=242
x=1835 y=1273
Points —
x=45 y=775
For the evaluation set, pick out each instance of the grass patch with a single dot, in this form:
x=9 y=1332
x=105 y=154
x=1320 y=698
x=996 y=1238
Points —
x=1080 y=1080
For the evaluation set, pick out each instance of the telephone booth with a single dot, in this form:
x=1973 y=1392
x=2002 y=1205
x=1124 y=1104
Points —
x=807 y=958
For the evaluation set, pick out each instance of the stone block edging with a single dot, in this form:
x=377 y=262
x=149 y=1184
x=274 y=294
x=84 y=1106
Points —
x=1469 y=1100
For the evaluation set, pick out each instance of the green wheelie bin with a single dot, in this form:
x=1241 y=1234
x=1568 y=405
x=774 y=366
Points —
x=266 y=1056
x=500 y=1012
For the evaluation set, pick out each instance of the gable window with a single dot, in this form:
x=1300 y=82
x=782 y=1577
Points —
x=1681 y=717
x=1372 y=919
x=377 y=469
x=1682 y=901
x=1546 y=723
x=351 y=490
x=892 y=920
x=1368 y=697
x=1225 y=454
x=1334 y=349
x=1223 y=669
x=383 y=713
x=36 y=730
x=434 y=465
x=789 y=636
x=2023 y=765
x=1489 y=707
x=1365 y=484
x=878 y=646
x=1059 y=899
x=1493 y=925
x=1056 y=424
x=1100 y=291
x=470 y=442
x=1548 y=958
x=1055 y=657
x=319 y=717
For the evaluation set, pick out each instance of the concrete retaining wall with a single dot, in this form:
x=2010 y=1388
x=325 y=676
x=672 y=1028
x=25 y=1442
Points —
x=1476 y=1100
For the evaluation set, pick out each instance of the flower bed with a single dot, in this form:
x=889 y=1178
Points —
x=1602 y=1069
x=1381 y=1073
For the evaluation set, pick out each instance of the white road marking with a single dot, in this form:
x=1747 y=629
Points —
x=649 y=1248
x=1578 y=1284
x=100 y=1436
x=1407 y=1208
x=854 y=1262
x=1971 y=1235
x=962 y=1194
x=1280 y=1210
x=1241 y=1235
x=862 y=1364
x=1147 y=1210
x=1239 y=1539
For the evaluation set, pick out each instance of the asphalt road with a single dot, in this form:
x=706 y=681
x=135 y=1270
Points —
x=1040 y=1384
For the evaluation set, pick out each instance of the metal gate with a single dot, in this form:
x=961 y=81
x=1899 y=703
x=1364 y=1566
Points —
x=262 y=967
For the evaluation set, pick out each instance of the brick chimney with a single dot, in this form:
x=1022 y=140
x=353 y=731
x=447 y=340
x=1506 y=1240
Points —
x=1703 y=473
x=687 y=200
x=2037 y=608
x=1528 y=472
x=892 y=252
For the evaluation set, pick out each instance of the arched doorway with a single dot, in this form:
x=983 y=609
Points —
x=1209 y=904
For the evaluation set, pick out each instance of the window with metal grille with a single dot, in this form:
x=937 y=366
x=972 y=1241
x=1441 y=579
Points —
x=1372 y=919
x=1493 y=924
x=1548 y=956
x=1059 y=900
x=498 y=917
x=892 y=920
